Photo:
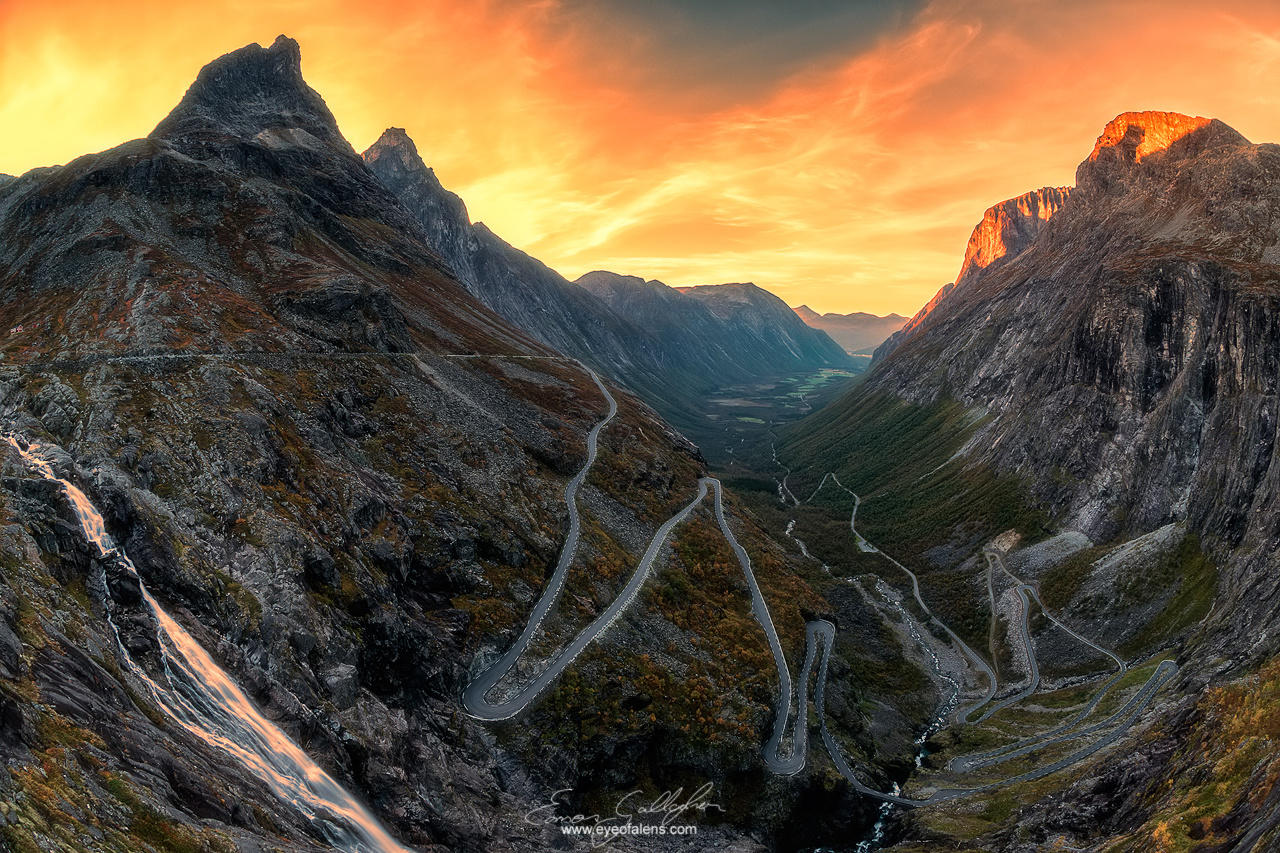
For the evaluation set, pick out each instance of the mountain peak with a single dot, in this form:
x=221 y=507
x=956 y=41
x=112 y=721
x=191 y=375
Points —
x=254 y=92
x=1132 y=137
x=396 y=137
x=394 y=158
x=1009 y=227
x=395 y=149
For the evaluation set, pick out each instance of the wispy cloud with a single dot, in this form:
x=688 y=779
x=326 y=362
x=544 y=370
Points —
x=847 y=177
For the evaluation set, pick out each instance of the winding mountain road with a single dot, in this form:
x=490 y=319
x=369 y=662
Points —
x=820 y=638
x=1033 y=666
x=1024 y=745
x=1030 y=588
x=864 y=545
x=475 y=695
x=1120 y=720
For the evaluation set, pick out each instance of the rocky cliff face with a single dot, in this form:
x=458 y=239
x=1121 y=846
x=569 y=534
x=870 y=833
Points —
x=1129 y=342
x=858 y=332
x=738 y=332
x=1009 y=227
x=343 y=474
x=1005 y=231
x=1118 y=360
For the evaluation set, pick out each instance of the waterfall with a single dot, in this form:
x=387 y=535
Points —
x=203 y=700
x=872 y=842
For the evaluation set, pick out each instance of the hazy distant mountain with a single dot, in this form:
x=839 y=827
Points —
x=740 y=331
x=859 y=333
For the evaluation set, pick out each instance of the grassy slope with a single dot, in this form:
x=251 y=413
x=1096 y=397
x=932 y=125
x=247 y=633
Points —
x=898 y=457
x=927 y=509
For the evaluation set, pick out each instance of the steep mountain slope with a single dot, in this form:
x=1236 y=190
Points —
x=1114 y=367
x=737 y=331
x=518 y=287
x=671 y=361
x=345 y=477
x=1005 y=231
x=859 y=332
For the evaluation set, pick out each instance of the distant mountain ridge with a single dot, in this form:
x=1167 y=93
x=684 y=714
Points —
x=670 y=351
x=740 y=331
x=859 y=333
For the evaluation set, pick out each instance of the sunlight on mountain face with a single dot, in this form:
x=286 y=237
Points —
x=1152 y=131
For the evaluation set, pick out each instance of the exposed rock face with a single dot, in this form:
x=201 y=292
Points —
x=1005 y=231
x=1134 y=330
x=1009 y=227
x=340 y=471
x=1130 y=138
x=1125 y=353
x=859 y=332
x=738 y=331
x=252 y=91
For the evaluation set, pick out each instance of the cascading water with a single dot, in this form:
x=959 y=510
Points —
x=876 y=837
x=203 y=700
x=873 y=841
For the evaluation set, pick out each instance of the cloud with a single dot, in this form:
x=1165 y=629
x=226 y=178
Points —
x=844 y=168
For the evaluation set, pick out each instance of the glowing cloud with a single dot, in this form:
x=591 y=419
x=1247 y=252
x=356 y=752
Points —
x=847 y=180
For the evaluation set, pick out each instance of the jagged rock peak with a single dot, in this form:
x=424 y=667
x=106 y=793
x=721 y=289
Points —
x=1009 y=227
x=1132 y=137
x=394 y=158
x=396 y=142
x=254 y=92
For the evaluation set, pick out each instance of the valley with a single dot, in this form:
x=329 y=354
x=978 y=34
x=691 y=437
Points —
x=736 y=422
x=330 y=520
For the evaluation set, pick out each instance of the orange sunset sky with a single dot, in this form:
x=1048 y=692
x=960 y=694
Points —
x=835 y=153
